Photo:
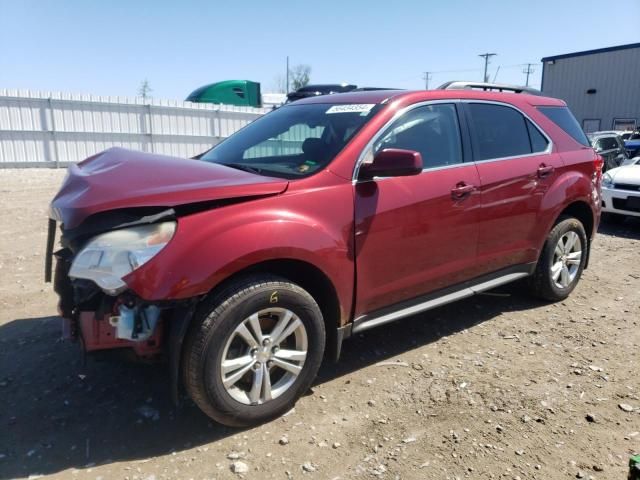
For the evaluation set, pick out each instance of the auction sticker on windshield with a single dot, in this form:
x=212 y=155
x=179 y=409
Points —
x=362 y=108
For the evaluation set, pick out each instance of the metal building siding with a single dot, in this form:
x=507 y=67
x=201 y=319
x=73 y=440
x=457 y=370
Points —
x=614 y=74
x=39 y=128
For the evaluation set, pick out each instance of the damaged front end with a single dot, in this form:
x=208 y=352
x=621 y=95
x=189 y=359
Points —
x=118 y=210
x=97 y=308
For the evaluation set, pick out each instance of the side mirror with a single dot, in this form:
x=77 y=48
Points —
x=392 y=162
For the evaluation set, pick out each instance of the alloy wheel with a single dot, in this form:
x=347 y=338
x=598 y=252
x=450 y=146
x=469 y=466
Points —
x=263 y=356
x=566 y=259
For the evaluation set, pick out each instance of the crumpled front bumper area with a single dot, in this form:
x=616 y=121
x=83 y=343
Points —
x=102 y=322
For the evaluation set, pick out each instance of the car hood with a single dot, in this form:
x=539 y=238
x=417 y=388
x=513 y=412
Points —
x=119 y=178
x=629 y=174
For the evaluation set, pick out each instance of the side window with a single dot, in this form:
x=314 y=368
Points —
x=539 y=143
x=497 y=131
x=431 y=130
x=606 y=143
x=597 y=146
x=611 y=143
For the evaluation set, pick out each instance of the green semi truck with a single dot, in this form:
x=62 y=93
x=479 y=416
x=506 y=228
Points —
x=229 y=92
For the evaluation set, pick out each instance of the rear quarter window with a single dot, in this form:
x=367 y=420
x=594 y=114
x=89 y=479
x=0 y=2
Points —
x=563 y=117
x=539 y=143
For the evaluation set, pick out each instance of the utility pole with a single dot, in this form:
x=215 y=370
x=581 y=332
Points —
x=486 y=57
x=287 y=76
x=528 y=71
x=426 y=77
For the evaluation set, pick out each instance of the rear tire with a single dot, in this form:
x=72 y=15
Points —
x=253 y=349
x=561 y=261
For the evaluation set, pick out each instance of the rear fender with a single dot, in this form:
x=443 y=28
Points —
x=571 y=187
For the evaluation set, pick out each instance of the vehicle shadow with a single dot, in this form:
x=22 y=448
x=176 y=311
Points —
x=57 y=413
x=625 y=227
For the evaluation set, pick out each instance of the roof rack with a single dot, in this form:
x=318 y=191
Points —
x=487 y=87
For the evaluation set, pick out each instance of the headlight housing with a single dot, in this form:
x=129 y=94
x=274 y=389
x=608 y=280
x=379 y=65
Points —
x=108 y=257
x=607 y=180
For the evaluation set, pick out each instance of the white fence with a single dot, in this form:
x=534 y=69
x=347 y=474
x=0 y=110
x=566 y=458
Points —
x=41 y=129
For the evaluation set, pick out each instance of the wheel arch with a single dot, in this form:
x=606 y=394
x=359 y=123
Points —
x=581 y=210
x=310 y=278
x=306 y=275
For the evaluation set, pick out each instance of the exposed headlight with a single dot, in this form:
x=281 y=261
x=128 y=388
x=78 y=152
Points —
x=108 y=257
x=607 y=180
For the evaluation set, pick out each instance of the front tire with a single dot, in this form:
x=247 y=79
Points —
x=253 y=350
x=561 y=262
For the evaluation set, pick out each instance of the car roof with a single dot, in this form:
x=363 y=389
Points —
x=606 y=132
x=325 y=86
x=602 y=134
x=413 y=96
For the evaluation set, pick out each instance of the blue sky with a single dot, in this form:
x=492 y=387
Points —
x=108 y=47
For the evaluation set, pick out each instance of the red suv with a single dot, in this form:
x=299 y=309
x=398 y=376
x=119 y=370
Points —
x=323 y=218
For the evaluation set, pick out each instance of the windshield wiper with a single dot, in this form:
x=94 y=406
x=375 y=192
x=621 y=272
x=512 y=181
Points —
x=244 y=167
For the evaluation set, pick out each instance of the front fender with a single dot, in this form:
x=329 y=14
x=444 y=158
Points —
x=210 y=246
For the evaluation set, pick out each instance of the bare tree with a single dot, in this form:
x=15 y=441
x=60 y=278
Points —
x=299 y=76
x=279 y=84
x=144 y=90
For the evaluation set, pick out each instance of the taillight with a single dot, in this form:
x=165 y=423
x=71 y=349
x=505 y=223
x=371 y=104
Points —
x=598 y=163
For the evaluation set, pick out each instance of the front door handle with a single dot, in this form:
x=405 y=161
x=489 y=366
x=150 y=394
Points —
x=545 y=170
x=461 y=190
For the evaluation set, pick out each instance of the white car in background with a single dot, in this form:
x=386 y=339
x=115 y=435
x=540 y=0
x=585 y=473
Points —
x=631 y=161
x=621 y=190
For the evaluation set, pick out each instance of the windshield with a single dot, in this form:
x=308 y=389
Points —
x=293 y=141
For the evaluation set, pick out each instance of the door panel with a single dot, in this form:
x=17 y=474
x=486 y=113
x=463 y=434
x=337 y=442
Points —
x=412 y=237
x=512 y=191
x=417 y=234
x=516 y=167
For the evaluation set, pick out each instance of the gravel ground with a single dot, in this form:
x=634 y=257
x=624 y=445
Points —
x=497 y=386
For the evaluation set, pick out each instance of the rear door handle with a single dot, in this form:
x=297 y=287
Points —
x=545 y=170
x=461 y=190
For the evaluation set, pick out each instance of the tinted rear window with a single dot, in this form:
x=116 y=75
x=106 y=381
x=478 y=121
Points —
x=498 y=132
x=563 y=117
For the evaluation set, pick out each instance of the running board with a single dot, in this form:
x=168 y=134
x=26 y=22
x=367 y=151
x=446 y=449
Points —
x=364 y=323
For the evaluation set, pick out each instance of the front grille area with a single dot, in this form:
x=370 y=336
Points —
x=627 y=186
x=623 y=204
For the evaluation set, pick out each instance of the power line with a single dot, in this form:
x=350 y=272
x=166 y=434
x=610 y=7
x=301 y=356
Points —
x=486 y=57
x=459 y=71
x=435 y=73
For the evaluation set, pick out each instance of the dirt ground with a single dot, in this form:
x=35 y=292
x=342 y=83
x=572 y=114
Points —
x=496 y=387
